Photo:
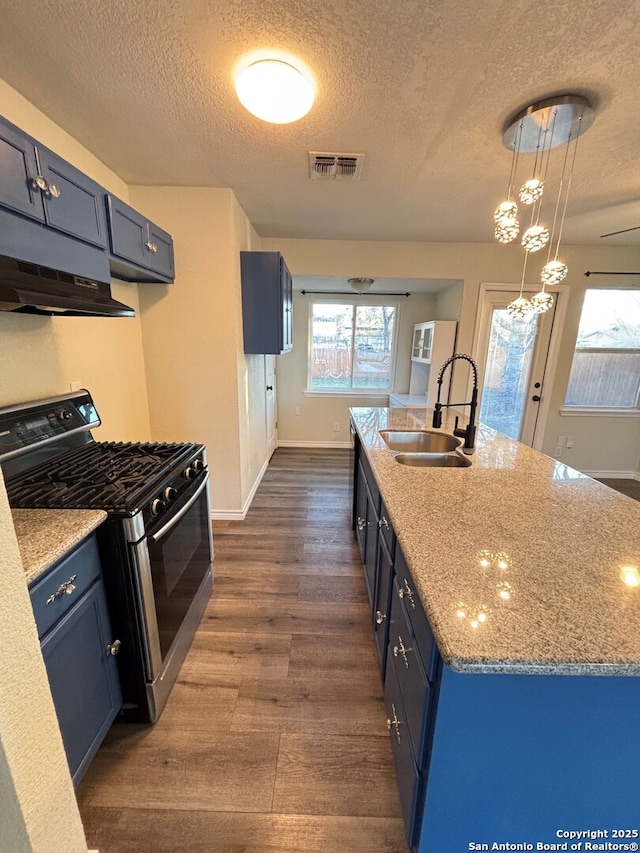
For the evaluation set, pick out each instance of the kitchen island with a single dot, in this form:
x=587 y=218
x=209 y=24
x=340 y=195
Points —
x=525 y=570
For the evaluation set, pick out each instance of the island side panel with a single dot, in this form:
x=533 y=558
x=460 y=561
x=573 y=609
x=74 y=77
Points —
x=515 y=758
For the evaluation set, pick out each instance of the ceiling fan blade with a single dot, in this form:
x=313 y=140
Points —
x=623 y=231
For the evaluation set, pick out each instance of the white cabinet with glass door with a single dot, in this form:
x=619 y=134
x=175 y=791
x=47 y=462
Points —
x=433 y=343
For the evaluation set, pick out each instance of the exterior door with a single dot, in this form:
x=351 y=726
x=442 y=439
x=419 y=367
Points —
x=512 y=358
x=270 y=403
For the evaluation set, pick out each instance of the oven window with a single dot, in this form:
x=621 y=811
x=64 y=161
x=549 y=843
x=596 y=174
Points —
x=179 y=562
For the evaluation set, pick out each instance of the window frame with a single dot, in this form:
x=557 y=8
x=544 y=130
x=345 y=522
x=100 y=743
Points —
x=569 y=410
x=354 y=302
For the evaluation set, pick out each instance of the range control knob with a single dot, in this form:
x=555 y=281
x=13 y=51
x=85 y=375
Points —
x=189 y=473
x=157 y=506
x=64 y=415
x=198 y=465
x=170 y=494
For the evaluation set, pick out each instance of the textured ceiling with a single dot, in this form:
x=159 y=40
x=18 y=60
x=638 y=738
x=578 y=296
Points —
x=421 y=87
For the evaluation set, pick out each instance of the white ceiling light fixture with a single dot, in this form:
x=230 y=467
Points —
x=551 y=123
x=360 y=285
x=275 y=91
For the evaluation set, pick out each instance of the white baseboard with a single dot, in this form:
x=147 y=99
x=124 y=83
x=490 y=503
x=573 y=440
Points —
x=240 y=514
x=613 y=475
x=332 y=445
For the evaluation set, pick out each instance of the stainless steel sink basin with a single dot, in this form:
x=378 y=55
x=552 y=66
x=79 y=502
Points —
x=419 y=441
x=433 y=460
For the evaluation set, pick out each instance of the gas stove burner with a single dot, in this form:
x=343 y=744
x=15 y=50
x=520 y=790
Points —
x=113 y=476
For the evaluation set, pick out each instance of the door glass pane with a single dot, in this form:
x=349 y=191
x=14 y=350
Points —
x=506 y=377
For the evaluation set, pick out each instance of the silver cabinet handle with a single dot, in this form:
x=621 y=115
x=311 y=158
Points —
x=152 y=247
x=395 y=722
x=401 y=650
x=40 y=183
x=362 y=523
x=383 y=523
x=407 y=592
x=53 y=190
x=66 y=587
x=380 y=617
x=114 y=648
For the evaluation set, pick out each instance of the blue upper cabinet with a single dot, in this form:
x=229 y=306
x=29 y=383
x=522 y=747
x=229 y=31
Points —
x=72 y=201
x=37 y=183
x=140 y=250
x=53 y=215
x=267 y=303
x=18 y=174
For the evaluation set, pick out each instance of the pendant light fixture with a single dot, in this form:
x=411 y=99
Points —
x=539 y=128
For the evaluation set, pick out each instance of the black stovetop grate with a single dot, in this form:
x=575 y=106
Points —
x=114 y=476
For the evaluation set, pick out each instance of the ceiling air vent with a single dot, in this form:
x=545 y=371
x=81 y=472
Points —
x=335 y=167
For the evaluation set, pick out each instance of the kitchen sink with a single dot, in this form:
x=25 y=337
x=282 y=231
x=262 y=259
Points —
x=433 y=460
x=419 y=441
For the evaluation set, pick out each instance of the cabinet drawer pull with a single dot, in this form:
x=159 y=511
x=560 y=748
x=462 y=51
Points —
x=395 y=722
x=408 y=592
x=114 y=648
x=362 y=523
x=380 y=617
x=66 y=587
x=401 y=650
x=383 y=523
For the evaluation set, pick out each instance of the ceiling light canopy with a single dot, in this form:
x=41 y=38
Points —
x=275 y=91
x=552 y=123
x=360 y=285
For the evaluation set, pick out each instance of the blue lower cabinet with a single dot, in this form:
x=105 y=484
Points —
x=79 y=654
x=412 y=681
x=407 y=774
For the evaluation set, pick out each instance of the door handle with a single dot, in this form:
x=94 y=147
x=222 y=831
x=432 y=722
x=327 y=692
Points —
x=269 y=387
x=536 y=398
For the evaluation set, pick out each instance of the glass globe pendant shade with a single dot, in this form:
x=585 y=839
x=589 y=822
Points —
x=519 y=308
x=274 y=91
x=505 y=210
x=535 y=238
x=507 y=230
x=541 y=302
x=553 y=272
x=531 y=191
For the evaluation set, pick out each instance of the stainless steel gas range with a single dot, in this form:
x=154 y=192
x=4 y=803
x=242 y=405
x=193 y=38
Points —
x=156 y=545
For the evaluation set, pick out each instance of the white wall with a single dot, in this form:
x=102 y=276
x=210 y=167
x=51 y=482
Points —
x=201 y=386
x=601 y=444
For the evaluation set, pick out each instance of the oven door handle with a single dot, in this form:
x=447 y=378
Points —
x=157 y=536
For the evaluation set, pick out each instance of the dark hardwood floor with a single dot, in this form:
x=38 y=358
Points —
x=274 y=739
x=628 y=487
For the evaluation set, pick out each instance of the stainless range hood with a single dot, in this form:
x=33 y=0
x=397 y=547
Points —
x=28 y=288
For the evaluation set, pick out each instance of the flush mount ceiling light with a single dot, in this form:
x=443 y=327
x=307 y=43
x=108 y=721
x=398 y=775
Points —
x=552 y=123
x=274 y=91
x=360 y=285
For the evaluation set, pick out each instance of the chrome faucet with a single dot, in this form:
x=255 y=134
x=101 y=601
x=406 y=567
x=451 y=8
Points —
x=469 y=432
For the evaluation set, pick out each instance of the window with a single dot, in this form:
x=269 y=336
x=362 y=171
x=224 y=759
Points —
x=606 y=363
x=351 y=347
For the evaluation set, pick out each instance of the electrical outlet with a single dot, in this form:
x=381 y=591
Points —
x=569 y=442
x=558 y=451
x=297 y=410
x=336 y=426
x=75 y=385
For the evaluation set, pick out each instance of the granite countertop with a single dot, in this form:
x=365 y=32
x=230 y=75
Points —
x=46 y=535
x=559 y=604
